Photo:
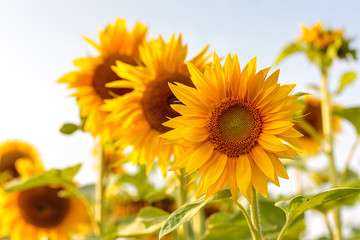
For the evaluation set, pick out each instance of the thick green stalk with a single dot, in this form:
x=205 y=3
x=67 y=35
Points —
x=328 y=147
x=99 y=191
x=255 y=215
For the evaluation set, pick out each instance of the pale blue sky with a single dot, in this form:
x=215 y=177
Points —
x=40 y=38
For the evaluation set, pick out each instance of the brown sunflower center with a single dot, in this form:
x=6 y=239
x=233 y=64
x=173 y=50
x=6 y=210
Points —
x=157 y=98
x=42 y=207
x=234 y=127
x=7 y=162
x=104 y=74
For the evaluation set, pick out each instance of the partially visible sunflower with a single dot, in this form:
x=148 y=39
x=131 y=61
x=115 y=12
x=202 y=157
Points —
x=312 y=116
x=39 y=212
x=116 y=43
x=235 y=126
x=18 y=159
x=319 y=37
x=138 y=115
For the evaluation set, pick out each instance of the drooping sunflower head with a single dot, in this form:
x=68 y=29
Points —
x=18 y=159
x=89 y=81
x=139 y=115
x=235 y=125
x=40 y=212
x=319 y=37
x=310 y=125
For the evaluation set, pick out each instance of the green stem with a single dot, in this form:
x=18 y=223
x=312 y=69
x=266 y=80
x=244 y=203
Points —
x=248 y=219
x=84 y=200
x=349 y=157
x=255 y=215
x=328 y=148
x=182 y=233
x=283 y=230
x=328 y=226
x=99 y=191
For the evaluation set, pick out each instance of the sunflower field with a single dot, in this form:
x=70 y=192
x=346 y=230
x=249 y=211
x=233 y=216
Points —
x=126 y=120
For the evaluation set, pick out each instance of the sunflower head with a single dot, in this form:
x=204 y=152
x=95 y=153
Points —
x=319 y=37
x=138 y=116
x=41 y=212
x=234 y=126
x=18 y=159
x=116 y=43
x=310 y=125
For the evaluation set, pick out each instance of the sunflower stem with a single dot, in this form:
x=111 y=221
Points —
x=283 y=230
x=248 y=219
x=99 y=191
x=255 y=215
x=182 y=233
x=328 y=226
x=80 y=195
x=328 y=148
x=349 y=157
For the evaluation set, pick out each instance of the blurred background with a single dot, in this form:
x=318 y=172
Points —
x=40 y=38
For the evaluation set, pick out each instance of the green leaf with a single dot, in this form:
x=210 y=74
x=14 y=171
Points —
x=187 y=211
x=151 y=216
x=346 y=79
x=69 y=128
x=352 y=115
x=54 y=176
x=234 y=226
x=148 y=221
x=323 y=202
x=288 y=50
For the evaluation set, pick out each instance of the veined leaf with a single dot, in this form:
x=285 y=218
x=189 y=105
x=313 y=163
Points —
x=148 y=221
x=352 y=115
x=288 y=50
x=234 y=225
x=69 y=128
x=323 y=202
x=187 y=211
x=54 y=176
x=346 y=79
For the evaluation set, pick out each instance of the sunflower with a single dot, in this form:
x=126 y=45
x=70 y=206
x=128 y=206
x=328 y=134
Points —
x=116 y=43
x=319 y=37
x=138 y=115
x=39 y=212
x=234 y=126
x=18 y=159
x=311 y=115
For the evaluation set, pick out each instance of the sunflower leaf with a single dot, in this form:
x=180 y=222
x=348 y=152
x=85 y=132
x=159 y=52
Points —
x=346 y=79
x=54 y=176
x=323 y=202
x=69 y=128
x=148 y=221
x=352 y=115
x=288 y=50
x=187 y=211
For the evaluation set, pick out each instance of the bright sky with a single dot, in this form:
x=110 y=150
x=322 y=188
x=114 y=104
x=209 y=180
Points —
x=40 y=38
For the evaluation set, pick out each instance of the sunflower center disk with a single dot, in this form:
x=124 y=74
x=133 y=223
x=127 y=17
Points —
x=104 y=74
x=234 y=127
x=157 y=98
x=42 y=207
x=7 y=163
